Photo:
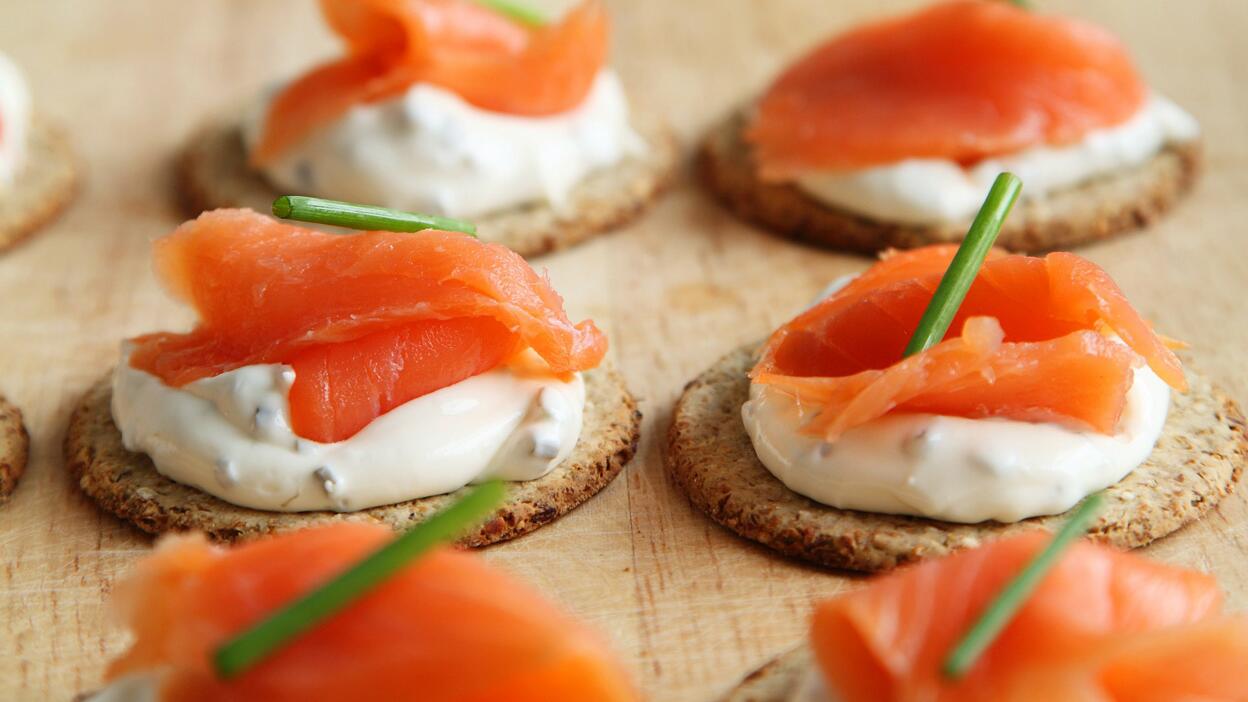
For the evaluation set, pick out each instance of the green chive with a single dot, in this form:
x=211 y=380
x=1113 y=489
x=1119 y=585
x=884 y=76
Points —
x=516 y=11
x=264 y=639
x=1025 y=4
x=353 y=216
x=1001 y=610
x=966 y=264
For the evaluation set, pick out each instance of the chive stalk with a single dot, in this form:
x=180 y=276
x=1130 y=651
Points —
x=1001 y=610
x=264 y=639
x=368 y=217
x=966 y=264
x=516 y=11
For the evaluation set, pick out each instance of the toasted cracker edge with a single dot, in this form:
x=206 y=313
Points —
x=14 y=448
x=212 y=172
x=1197 y=461
x=127 y=485
x=1123 y=201
x=44 y=187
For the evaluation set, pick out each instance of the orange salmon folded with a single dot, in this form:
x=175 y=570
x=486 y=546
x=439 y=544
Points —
x=484 y=57
x=447 y=628
x=368 y=321
x=1102 y=626
x=960 y=80
x=1028 y=343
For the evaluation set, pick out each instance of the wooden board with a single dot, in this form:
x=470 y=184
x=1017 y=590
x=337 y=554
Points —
x=689 y=607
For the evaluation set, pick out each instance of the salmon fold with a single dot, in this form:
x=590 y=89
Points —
x=1102 y=626
x=1049 y=339
x=367 y=321
x=447 y=628
x=486 y=58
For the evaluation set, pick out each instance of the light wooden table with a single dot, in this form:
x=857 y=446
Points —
x=689 y=607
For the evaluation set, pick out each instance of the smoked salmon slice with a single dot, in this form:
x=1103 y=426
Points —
x=368 y=321
x=1026 y=344
x=447 y=628
x=340 y=388
x=1102 y=626
x=960 y=80
x=484 y=57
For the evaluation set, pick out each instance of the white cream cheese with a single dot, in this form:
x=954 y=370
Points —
x=431 y=151
x=14 y=121
x=953 y=468
x=932 y=191
x=230 y=436
x=139 y=687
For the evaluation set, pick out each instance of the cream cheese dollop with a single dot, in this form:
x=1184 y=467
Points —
x=14 y=121
x=230 y=436
x=936 y=191
x=137 y=687
x=431 y=151
x=953 y=468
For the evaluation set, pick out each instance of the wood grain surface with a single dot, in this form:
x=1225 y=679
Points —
x=689 y=607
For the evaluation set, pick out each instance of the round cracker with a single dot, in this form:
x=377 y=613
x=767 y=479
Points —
x=128 y=485
x=14 y=448
x=1196 y=462
x=776 y=681
x=43 y=188
x=1125 y=200
x=213 y=173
